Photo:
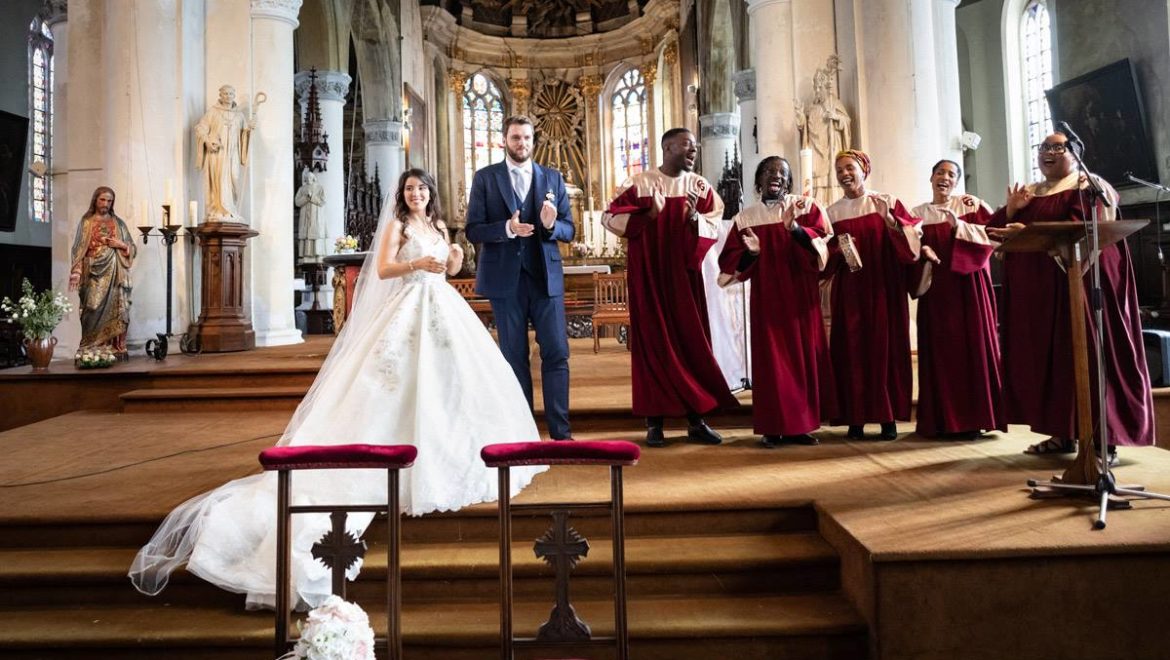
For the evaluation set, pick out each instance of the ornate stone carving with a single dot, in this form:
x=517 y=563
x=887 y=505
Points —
x=521 y=89
x=456 y=80
x=719 y=125
x=383 y=131
x=670 y=53
x=559 y=118
x=331 y=85
x=646 y=43
x=745 y=85
x=590 y=86
x=280 y=10
x=650 y=72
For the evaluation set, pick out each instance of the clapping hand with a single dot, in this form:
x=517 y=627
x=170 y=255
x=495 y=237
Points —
x=750 y=240
x=1018 y=197
x=548 y=214
x=930 y=255
x=454 y=257
x=1002 y=234
x=521 y=228
x=692 y=204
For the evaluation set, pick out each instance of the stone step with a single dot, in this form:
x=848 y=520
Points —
x=460 y=571
x=208 y=399
x=806 y=626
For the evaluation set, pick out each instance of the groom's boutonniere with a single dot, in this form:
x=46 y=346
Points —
x=550 y=196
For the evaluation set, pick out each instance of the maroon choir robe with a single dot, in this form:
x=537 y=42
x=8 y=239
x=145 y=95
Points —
x=673 y=369
x=792 y=376
x=1040 y=389
x=959 y=382
x=869 y=339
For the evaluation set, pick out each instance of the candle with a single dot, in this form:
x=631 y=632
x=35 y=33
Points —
x=806 y=173
x=143 y=216
x=167 y=192
x=193 y=216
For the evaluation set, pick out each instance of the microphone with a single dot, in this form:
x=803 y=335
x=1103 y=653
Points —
x=1068 y=131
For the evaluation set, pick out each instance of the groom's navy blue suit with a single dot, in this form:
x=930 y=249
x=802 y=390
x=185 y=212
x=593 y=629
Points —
x=524 y=280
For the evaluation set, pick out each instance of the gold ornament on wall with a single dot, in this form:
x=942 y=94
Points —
x=558 y=113
x=456 y=80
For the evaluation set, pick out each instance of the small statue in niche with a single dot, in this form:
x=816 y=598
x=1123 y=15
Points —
x=103 y=251
x=310 y=199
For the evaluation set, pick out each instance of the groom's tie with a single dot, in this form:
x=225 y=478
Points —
x=518 y=185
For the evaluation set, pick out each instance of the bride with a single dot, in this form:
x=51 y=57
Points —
x=413 y=364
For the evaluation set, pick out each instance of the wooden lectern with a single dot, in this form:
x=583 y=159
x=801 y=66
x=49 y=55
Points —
x=1067 y=242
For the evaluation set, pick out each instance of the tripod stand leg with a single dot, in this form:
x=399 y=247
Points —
x=1103 y=508
x=1140 y=491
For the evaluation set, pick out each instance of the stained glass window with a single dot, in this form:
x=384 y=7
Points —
x=40 y=101
x=1036 y=49
x=630 y=142
x=483 y=125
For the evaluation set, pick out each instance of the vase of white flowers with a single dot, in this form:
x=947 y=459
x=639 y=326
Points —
x=38 y=315
x=335 y=630
x=345 y=244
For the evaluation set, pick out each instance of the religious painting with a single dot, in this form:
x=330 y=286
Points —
x=417 y=136
x=1104 y=108
x=13 y=140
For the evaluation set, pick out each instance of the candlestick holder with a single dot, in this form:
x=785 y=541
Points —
x=158 y=348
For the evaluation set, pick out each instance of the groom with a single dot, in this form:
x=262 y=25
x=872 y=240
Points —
x=517 y=212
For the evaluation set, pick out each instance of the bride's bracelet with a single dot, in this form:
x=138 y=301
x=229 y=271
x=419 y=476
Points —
x=411 y=264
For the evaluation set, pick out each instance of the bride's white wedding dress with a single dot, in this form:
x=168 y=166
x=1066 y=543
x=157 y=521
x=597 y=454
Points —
x=423 y=372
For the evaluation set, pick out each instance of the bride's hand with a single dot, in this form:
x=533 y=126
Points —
x=428 y=264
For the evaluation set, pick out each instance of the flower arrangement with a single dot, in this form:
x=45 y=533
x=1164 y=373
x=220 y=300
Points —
x=335 y=630
x=94 y=359
x=38 y=313
x=580 y=248
x=345 y=243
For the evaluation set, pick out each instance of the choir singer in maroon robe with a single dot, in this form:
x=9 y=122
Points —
x=1039 y=388
x=959 y=384
x=780 y=245
x=876 y=241
x=670 y=216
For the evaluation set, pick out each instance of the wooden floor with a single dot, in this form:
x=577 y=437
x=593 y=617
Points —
x=909 y=549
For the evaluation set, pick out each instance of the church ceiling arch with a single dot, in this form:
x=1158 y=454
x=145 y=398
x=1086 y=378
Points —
x=322 y=37
x=542 y=19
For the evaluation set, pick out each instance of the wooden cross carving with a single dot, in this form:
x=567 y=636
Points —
x=339 y=550
x=562 y=547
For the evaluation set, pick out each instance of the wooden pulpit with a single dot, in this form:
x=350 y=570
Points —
x=1067 y=241
x=346 y=268
x=223 y=324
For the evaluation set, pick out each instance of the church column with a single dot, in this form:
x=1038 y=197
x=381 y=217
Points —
x=456 y=79
x=947 y=69
x=332 y=87
x=68 y=332
x=745 y=91
x=719 y=141
x=772 y=27
x=270 y=254
x=897 y=84
x=653 y=132
x=384 y=150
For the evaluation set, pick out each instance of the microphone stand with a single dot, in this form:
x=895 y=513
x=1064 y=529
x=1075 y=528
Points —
x=1106 y=486
x=1165 y=272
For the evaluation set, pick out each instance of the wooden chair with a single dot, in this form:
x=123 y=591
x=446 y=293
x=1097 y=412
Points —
x=284 y=460
x=611 y=304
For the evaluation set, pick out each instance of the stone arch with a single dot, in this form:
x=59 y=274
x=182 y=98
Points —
x=376 y=41
x=322 y=38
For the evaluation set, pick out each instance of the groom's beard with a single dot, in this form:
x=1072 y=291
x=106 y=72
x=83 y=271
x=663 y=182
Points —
x=516 y=158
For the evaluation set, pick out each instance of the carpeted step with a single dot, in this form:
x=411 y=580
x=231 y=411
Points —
x=806 y=626
x=474 y=523
x=466 y=571
x=213 y=399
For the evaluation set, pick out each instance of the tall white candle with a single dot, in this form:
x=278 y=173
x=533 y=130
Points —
x=167 y=192
x=806 y=173
x=193 y=216
x=143 y=216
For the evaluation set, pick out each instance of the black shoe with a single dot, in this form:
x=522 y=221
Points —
x=802 y=439
x=1111 y=456
x=771 y=441
x=855 y=432
x=889 y=431
x=703 y=434
x=568 y=439
x=966 y=435
x=654 y=437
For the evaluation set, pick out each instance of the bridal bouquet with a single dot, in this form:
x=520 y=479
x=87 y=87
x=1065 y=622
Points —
x=335 y=630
